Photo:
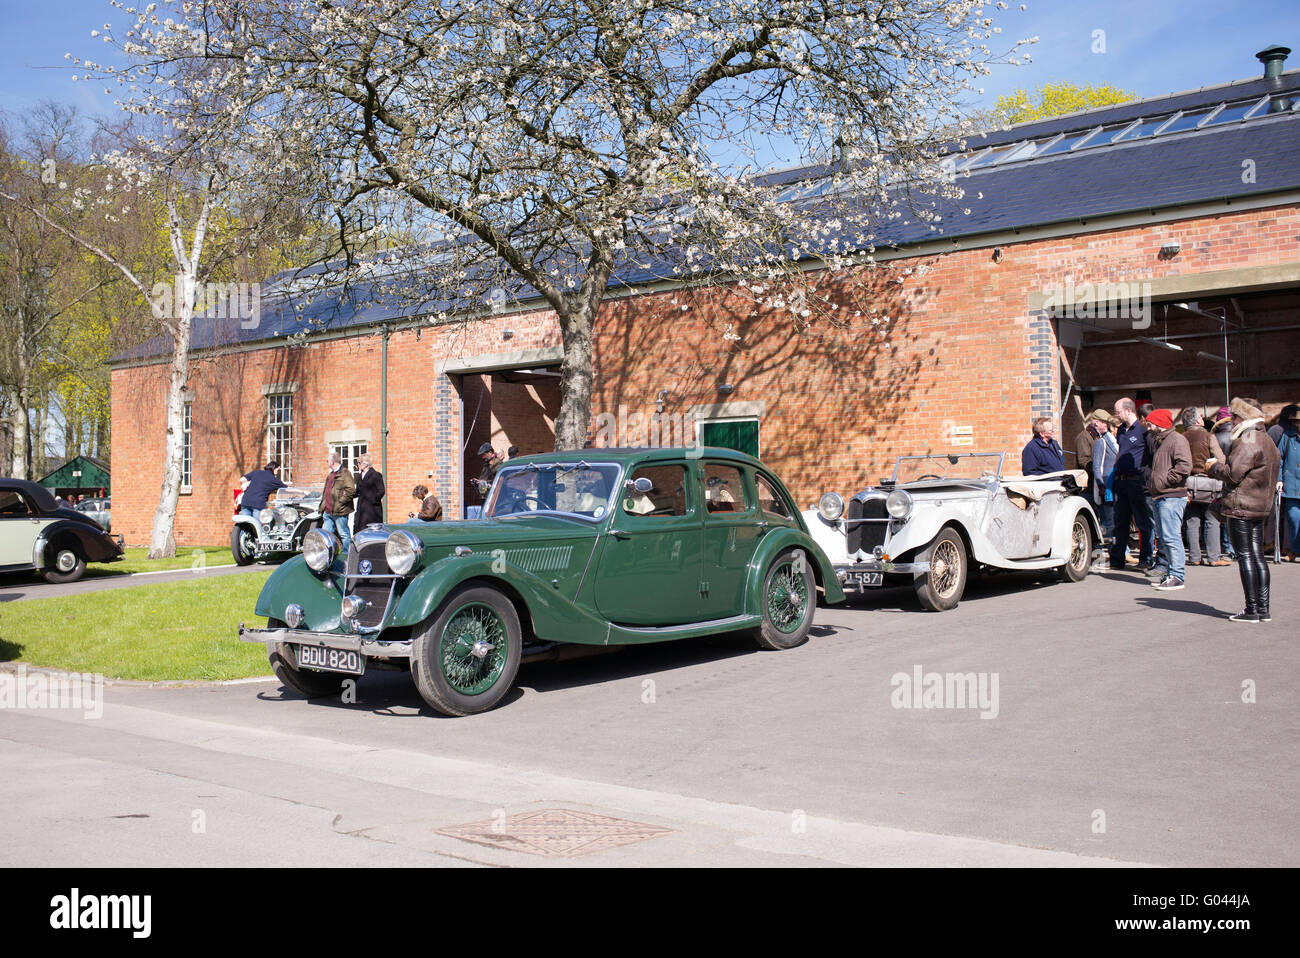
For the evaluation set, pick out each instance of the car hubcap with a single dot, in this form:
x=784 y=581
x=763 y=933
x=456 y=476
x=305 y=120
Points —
x=787 y=598
x=66 y=561
x=473 y=649
x=945 y=566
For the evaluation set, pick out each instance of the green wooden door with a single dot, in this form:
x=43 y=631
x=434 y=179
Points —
x=738 y=434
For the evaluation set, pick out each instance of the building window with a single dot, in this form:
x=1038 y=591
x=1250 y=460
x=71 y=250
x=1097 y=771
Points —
x=279 y=433
x=349 y=452
x=186 y=445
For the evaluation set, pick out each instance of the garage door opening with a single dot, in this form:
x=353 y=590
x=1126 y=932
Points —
x=507 y=408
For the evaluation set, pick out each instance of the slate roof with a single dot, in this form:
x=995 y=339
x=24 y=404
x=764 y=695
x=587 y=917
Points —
x=1132 y=175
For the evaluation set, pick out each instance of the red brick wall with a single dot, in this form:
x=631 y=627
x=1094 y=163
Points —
x=953 y=343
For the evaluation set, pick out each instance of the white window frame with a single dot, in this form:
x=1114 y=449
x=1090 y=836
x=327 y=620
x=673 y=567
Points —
x=279 y=446
x=187 y=446
x=348 y=451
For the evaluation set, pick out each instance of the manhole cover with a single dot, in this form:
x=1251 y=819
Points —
x=555 y=832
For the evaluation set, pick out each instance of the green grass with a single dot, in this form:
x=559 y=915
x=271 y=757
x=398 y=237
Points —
x=173 y=630
x=186 y=557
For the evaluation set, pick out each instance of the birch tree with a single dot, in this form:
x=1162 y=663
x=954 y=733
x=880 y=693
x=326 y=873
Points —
x=541 y=147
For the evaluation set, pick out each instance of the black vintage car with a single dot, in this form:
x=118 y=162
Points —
x=38 y=534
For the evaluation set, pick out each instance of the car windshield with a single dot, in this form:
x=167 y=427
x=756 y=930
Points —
x=568 y=488
x=968 y=465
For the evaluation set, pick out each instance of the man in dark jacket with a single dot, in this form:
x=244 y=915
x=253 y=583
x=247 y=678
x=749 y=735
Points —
x=370 y=493
x=1043 y=453
x=1201 y=490
x=336 y=500
x=1249 y=484
x=257 y=488
x=1130 y=493
x=1170 y=467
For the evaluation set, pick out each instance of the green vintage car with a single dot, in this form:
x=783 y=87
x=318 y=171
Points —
x=598 y=548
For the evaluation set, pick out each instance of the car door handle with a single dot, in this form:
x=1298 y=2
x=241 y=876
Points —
x=620 y=534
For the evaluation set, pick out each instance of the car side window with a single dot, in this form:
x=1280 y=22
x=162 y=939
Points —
x=13 y=506
x=667 y=495
x=769 y=500
x=724 y=489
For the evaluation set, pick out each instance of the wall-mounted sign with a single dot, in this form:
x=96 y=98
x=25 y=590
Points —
x=962 y=435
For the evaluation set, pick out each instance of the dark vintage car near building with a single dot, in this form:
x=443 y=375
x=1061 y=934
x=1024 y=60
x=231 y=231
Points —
x=599 y=547
x=37 y=534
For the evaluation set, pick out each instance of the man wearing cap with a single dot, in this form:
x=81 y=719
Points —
x=1130 y=493
x=1170 y=467
x=492 y=464
x=1084 y=442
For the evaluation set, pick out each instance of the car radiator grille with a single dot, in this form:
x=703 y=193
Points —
x=866 y=535
x=374 y=591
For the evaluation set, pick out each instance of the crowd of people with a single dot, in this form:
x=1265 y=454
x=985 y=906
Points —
x=355 y=500
x=1198 y=489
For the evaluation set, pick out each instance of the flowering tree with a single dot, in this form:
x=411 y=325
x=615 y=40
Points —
x=540 y=148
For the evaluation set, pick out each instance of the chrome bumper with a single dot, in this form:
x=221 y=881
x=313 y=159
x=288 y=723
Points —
x=366 y=645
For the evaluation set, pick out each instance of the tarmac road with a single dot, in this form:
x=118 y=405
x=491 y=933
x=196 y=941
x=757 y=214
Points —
x=18 y=586
x=1129 y=726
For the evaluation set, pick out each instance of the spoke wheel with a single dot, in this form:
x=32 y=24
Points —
x=473 y=649
x=465 y=657
x=789 y=601
x=1080 y=558
x=941 y=588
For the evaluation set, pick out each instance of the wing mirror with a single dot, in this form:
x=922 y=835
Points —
x=641 y=484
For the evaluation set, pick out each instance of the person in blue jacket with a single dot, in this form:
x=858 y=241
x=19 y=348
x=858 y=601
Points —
x=1288 y=447
x=1043 y=453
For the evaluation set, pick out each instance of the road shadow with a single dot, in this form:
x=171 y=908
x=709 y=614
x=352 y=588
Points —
x=1186 y=606
x=384 y=692
x=10 y=651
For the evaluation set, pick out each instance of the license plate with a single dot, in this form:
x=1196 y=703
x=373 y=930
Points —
x=330 y=660
x=867 y=578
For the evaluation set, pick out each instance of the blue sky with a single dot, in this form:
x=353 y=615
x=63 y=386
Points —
x=1151 y=46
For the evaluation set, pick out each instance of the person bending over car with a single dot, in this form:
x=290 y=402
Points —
x=258 y=486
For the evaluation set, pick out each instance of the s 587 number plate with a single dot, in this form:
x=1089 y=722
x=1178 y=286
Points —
x=330 y=660
x=864 y=579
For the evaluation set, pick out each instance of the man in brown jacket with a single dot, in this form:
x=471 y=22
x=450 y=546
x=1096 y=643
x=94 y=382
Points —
x=1249 y=481
x=336 y=500
x=1170 y=467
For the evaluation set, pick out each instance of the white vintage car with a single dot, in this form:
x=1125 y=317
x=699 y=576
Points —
x=938 y=518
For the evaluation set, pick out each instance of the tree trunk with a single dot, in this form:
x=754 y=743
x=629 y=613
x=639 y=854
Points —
x=18 y=433
x=577 y=370
x=162 y=542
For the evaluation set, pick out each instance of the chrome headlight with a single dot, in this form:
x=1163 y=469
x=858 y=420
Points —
x=899 y=504
x=266 y=516
x=352 y=606
x=830 y=506
x=319 y=549
x=293 y=615
x=287 y=514
x=402 y=551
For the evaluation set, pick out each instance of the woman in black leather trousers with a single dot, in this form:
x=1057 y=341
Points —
x=1247 y=536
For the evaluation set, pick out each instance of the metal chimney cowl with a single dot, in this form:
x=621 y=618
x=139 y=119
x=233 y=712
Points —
x=1274 y=60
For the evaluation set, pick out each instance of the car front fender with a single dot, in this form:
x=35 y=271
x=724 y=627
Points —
x=320 y=596
x=780 y=540
x=1061 y=535
x=553 y=616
